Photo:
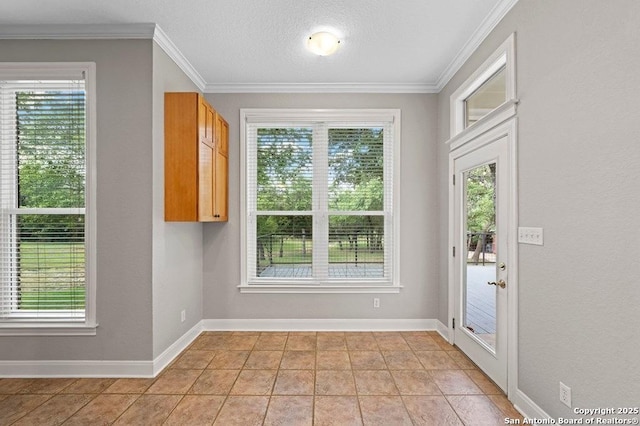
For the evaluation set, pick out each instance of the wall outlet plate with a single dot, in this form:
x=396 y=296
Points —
x=530 y=235
x=565 y=394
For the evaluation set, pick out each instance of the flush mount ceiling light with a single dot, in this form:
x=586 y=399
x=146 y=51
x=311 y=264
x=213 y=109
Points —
x=323 y=43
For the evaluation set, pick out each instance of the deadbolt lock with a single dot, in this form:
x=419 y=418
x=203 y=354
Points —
x=502 y=266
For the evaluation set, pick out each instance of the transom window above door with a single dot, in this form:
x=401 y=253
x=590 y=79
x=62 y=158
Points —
x=487 y=92
x=319 y=200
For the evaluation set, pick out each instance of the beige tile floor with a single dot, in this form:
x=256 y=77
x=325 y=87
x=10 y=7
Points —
x=297 y=378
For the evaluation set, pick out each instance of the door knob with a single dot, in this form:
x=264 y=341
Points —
x=500 y=283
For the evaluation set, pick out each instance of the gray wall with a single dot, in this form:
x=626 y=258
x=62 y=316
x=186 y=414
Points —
x=418 y=220
x=579 y=163
x=124 y=172
x=177 y=247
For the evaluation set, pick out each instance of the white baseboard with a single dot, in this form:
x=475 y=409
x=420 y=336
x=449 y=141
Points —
x=169 y=354
x=527 y=407
x=442 y=329
x=318 y=324
x=91 y=368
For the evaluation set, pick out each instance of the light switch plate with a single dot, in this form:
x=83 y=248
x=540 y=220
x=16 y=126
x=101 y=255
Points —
x=530 y=235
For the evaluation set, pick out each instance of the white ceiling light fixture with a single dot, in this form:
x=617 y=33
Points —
x=323 y=43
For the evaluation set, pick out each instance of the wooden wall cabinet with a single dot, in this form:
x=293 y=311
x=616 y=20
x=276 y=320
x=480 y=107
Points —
x=196 y=146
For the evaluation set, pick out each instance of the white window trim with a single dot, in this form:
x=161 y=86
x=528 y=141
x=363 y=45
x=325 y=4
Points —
x=249 y=115
x=65 y=70
x=504 y=56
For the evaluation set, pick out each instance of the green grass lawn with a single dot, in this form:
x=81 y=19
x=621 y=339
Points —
x=51 y=276
x=53 y=299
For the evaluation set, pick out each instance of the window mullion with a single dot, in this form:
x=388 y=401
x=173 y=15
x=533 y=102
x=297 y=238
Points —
x=320 y=208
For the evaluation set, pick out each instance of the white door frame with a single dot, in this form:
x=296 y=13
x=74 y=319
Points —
x=462 y=146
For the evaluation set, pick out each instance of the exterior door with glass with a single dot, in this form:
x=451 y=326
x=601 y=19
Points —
x=481 y=266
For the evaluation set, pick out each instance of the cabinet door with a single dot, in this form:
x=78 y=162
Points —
x=181 y=156
x=206 y=118
x=222 y=135
x=222 y=188
x=206 y=161
x=206 y=157
x=222 y=170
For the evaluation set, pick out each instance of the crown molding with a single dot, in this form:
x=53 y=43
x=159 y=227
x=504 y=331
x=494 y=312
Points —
x=77 y=31
x=320 y=88
x=144 y=31
x=165 y=43
x=488 y=24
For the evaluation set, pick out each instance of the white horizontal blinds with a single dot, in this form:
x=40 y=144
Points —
x=356 y=186
x=251 y=191
x=320 y=197
x=285 y=168
x=320 y=201
x=43 y=167
x=356 y=169
x=284 y=231
x=389 y=172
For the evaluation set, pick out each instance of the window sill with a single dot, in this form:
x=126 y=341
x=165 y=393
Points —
x=309 y=288
x=25 y=329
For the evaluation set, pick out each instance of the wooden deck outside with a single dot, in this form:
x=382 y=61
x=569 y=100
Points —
x=336 y=270
x=481 y=301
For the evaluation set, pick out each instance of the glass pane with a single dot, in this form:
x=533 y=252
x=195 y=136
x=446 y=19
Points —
x=50 y=262
x=486 y=98
x=480 y=297
x=356 y=246
x=284 y=246
x=51 y=148
x=356 y=169
x=284 y=169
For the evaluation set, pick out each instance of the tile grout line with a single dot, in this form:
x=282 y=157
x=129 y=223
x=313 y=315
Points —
x=226 y=397
x=256 y=346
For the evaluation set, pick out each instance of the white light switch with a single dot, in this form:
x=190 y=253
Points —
x=530 y=236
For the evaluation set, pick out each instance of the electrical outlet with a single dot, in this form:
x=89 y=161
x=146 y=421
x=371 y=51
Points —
x=565 y=394
x=183 y=315
x=530 y=235
x=376 y=302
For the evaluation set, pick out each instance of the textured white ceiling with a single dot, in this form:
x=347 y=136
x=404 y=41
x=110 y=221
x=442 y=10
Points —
x=236 y=43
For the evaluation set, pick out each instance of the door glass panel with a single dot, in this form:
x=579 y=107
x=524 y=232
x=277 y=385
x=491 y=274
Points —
x=480 y=267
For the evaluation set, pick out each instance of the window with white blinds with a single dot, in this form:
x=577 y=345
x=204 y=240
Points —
x=320 y=198
x=44 y=250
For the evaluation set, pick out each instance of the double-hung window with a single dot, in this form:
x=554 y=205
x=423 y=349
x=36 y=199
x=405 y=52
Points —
x=46 y=217
x=320 y=200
